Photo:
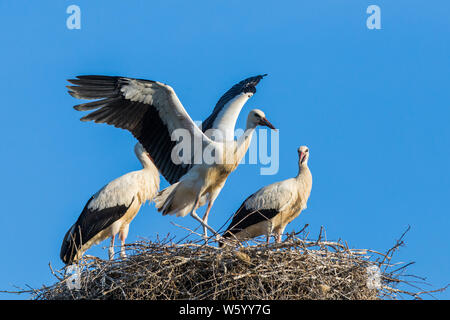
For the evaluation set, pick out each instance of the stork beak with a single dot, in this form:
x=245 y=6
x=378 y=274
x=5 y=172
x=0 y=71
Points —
x=265 y=122
x=302 y=156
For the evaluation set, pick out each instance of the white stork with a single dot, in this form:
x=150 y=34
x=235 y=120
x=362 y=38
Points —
x=152 y=112
x=110 y=211
x=204 y=182
x=272 y=207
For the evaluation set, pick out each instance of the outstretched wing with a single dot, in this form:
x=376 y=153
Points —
x=150 y=110
x=229 y=106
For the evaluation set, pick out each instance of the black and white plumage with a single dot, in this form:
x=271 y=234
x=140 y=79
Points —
x=229 y=106
x=203 y=182
x=110 y=211
x=152 y=112
x=271 y=208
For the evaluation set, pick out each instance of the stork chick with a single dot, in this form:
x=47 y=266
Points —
x=270 y=209
x=110 y=211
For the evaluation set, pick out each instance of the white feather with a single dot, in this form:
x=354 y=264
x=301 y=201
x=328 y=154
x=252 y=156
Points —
x=227 y=117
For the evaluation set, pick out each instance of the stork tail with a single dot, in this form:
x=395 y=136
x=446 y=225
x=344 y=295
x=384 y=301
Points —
x=71 y=245
x=175 y=199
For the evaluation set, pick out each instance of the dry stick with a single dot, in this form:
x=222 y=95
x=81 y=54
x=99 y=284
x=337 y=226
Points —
x=187 y=229
x=399 y=243
x=184 y=238
x=54 y=273
x=189 y=270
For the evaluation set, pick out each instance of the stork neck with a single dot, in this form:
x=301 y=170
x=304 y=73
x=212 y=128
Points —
x=248 y=133
x=302 y=169
x=146 y=163
x=226 y=119
x=244 y=142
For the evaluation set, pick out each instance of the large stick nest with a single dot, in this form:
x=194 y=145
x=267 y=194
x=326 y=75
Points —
x=294 y=269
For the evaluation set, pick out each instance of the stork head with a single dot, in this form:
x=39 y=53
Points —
x=257 y=118
x=303 y=155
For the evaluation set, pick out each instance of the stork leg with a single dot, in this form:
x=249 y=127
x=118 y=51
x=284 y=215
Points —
x=278 y=238
x=205 y=218
x=123 y=255
x=123 y=235
x=196 y=217
x=269 y=230
x=111 y=248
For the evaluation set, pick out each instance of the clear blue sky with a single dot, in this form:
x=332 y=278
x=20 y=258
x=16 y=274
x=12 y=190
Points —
x=372 y=105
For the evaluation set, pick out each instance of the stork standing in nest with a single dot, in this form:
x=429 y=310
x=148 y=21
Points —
x=110 y=211
x=204 y=182
x=152 y=112
x=272 y=208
